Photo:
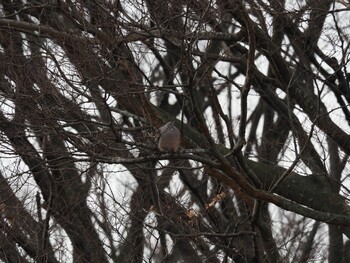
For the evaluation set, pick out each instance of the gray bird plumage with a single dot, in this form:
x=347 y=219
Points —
x=169 y=139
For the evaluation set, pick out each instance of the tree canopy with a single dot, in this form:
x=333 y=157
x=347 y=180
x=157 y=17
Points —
x=258 y=89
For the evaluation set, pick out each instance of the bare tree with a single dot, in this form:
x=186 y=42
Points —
x=258 y=89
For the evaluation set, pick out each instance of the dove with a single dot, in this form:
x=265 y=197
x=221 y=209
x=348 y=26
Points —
x=169 y=139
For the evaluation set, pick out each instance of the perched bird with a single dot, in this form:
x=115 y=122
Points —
x=169 y=139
